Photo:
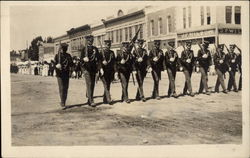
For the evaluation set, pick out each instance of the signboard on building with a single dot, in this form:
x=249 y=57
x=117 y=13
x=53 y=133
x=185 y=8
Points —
x=195 y=34
x=229 y=31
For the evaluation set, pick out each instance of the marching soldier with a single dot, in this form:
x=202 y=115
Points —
x=63 y=63
x=90 y=65
x=109 y=69
x=220 y=62
x=239 y=67
x=124 y=62
x=170 y=64
x=156 y=58
x=187 y=62
x=140 y=64
x=204 y=60
x=232 y=68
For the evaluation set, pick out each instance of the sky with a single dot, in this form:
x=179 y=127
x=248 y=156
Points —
x=30 y=21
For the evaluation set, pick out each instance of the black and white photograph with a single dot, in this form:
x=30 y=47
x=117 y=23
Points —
x=125 y=78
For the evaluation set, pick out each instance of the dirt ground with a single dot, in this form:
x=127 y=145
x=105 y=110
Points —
x=38 y=120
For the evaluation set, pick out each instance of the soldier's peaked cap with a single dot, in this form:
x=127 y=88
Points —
x=157 y=41
x=141 y=40
x=64 y=45
x=188 y=43
x=89 y=37
x=232 y=45
x=125 y=43
x=107 y=41
x=171 y=43
x=206 y=42
x=221 y=46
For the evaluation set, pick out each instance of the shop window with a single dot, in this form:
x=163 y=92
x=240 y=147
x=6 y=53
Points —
x=237 y=14
x=202 y=15
x=141 y=31
x=184 y=18
x=152 y=27
x=126 y=34
x=228 y=14
x=160 y=25
x=169 y=25
x=189 y=16
x=208 y=16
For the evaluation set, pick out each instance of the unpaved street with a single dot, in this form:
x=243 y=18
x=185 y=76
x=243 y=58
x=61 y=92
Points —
x=38 y=120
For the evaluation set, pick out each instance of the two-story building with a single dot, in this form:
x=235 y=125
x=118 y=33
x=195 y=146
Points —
x=46 y=52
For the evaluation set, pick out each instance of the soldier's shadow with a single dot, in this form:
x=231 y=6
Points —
x=75 y=105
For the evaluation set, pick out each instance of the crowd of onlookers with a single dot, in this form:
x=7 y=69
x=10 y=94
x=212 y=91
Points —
x=44 y=68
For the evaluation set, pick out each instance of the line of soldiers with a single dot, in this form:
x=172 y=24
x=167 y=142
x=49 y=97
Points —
x=136 y=61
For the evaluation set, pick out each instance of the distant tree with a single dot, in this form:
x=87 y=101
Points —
x=34 y=48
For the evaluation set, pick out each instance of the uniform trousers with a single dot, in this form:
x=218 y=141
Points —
x=140 y=75
x=90 y=84
x=63 y=84
x=188 y=85
x=231 y=81
x=171 y=77
x=204 y=79
x=220 y=80
x=124 y=76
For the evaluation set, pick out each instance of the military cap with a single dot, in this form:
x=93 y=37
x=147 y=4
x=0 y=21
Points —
x=141 y=40
x=221 y=46
x=157 y=41
x=125 y=44
x=64 y=45
x=188 y=43
x=232 y=46
x=89 y=37
x=171 y=43
x=107 y=41
x=206 y=43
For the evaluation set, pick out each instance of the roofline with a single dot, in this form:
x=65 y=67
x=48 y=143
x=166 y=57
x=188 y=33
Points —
x=77 y=29
x=124 y=16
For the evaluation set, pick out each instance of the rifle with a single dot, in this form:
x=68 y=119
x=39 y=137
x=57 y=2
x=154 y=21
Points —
x=227 y=48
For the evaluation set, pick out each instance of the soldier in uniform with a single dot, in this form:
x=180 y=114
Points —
x=109 y=68
x=124 y=61
x=220 y=62
x=239 y=67
x=156 y=58
x=231 y=56
x=187 y=62
x=170 y=64
x=204 y=60
x=140 y=65
x=90 y=65
x=63 y=62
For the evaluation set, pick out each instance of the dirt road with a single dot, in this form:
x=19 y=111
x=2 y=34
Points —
x=38 y=120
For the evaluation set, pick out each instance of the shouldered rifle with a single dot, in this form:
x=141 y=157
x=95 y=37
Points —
x=227 y=49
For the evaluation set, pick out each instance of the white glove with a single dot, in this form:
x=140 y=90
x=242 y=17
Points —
x=134 y=72
x=86 y=59
x=116 y=76
x=233 y=61
x=101 y=72
x=74 y=61
x=122 y=61
x=155 y=59
x=197 y=69
x=104 y=62
x=181 y=68
x=229 y=69
x=188 y=61
x=150 y=69
x=171 y=59
x=221 y=61
x=59 y=66
x=139 y=60
x=204 y=56
x=165 y=71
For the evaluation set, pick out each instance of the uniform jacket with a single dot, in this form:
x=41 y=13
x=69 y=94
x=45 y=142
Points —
x=232 y=56
x=128 y=66
x=66 y=63
x=94 y=63
x=204 y=62
x=159 y=64
x=111 y=67
x=171 y=64
x=223 y=67
x=140 y=66
x=188 y=54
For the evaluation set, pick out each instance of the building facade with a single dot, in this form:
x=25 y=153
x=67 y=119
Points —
x=98 y=30
x=62 y=39
x=123 y=27
x=46 y=52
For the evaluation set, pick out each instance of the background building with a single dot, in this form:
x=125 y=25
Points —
x=62 y=39
x=98 y=30
x=46 y=52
